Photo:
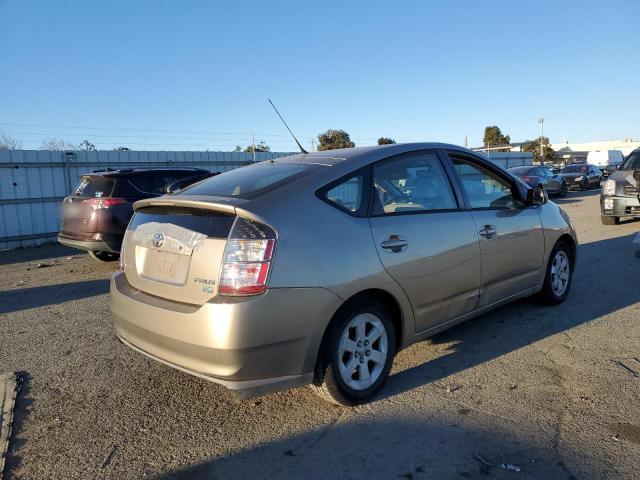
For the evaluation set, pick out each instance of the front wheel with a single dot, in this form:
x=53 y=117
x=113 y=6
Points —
x=357 y=354
x=563 y=189
x=557 y=280
x=584 y=184
x=104 y=256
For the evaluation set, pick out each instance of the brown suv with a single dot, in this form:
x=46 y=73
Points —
x=96 y=216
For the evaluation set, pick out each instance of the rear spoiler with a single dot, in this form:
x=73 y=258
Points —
x=202 y=202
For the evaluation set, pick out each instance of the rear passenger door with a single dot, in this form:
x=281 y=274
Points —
x=510 y=232
x=425 y=241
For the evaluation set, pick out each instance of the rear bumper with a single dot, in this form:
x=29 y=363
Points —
x=617 y=206
x=91 y=245
x=250 y=345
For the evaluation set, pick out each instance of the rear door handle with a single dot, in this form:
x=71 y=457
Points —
x=395 y=243
x=489 y=231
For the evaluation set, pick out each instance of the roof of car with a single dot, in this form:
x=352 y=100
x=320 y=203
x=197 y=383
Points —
x=333 y=157
x=129 y=171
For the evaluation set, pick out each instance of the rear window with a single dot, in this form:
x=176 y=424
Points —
x=575 y=169
x=206 y=222
x=251 y=181
x=95 y=187
x=520 y=170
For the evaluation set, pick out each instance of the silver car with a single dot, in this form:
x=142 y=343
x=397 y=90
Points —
x=318 y=268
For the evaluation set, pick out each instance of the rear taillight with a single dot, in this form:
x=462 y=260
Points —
x=247 y=259
x=525 y=179
x=100 y=203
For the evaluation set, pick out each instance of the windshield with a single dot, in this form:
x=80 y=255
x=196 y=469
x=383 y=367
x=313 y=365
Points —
x=574 y=169
x=250 y=181
x=632 y=162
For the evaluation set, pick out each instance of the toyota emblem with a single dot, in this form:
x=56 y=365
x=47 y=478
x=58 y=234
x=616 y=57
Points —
x=158 y=240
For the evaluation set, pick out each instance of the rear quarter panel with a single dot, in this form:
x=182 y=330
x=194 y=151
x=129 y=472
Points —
x=321 y=246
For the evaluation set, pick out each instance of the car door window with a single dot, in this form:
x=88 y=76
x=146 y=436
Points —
x=484 y=188
x=415 y=183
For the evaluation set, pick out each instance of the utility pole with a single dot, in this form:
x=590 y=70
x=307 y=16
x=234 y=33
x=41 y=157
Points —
x=541 y=122
x=253 y=146
x=313 y=145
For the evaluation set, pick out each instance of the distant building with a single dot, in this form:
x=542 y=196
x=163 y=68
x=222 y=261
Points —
x=577 y=152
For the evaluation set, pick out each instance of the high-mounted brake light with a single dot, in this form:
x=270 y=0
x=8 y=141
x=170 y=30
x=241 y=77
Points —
x=247 y=259
x=100 y=203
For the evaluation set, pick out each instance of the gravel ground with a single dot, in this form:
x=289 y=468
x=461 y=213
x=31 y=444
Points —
x=548 y=391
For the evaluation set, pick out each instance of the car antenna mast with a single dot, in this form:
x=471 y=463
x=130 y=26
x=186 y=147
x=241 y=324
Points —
x=285 y=124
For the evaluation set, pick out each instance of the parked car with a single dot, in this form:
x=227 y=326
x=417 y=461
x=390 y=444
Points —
x=581 y=176
x=542 y=177
x=317 y=268
x=605 y=158
x=620 y=192
x=95 y=217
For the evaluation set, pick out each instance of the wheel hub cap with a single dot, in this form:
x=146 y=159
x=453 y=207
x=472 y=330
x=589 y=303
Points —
x=362 y=351
x=560 y=273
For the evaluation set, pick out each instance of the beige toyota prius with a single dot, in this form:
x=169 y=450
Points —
x=317 y=268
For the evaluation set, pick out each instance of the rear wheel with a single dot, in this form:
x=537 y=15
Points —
x=609 y=220
x=557 y=280
x=104 y=256
x=357 y=354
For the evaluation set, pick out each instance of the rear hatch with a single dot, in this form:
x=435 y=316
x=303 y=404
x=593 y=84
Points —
x=78 y=218
x=174 y=249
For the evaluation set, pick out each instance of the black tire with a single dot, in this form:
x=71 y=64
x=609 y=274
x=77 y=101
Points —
x=584 y=185
x=105 y=256
x=548 y=295
x=563 y=189
x=328 y=383
x=609 y=220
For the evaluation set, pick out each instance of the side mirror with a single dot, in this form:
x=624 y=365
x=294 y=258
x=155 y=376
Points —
x=536 y=196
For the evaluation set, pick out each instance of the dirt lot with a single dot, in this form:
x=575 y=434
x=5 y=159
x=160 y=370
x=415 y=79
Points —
x=550 y=391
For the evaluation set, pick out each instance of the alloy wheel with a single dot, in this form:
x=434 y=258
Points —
x=362 y=351
x=560 y=272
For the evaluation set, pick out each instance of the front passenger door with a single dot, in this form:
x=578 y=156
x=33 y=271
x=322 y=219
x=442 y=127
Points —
x=511 y=238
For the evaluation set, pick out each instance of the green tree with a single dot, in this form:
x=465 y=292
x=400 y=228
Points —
x=87 y=146
x=386 y=141
x=238 y=148
x=122 y=149
x=493 y=137
x=533 y=146
x=260 y=147
x=332 y=139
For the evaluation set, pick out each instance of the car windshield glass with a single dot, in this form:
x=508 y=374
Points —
x=574 y=169
x=250 y=181
x=95 y=187
x=632 y=162
x=521 y=170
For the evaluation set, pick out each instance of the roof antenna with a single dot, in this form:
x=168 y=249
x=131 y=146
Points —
x=285 y=124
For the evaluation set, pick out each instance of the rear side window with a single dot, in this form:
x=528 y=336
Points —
x=143 y=183
x=251 y=181
x=347 y=195
x=164 y=179
x=95 y=187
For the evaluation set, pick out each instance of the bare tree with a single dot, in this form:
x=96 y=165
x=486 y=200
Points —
x=56 y=144
x=9 y=143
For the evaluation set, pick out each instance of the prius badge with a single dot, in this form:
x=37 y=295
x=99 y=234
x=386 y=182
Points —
x=158 y=239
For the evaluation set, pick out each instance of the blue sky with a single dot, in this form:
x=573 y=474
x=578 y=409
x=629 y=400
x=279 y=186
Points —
x=155 y=74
